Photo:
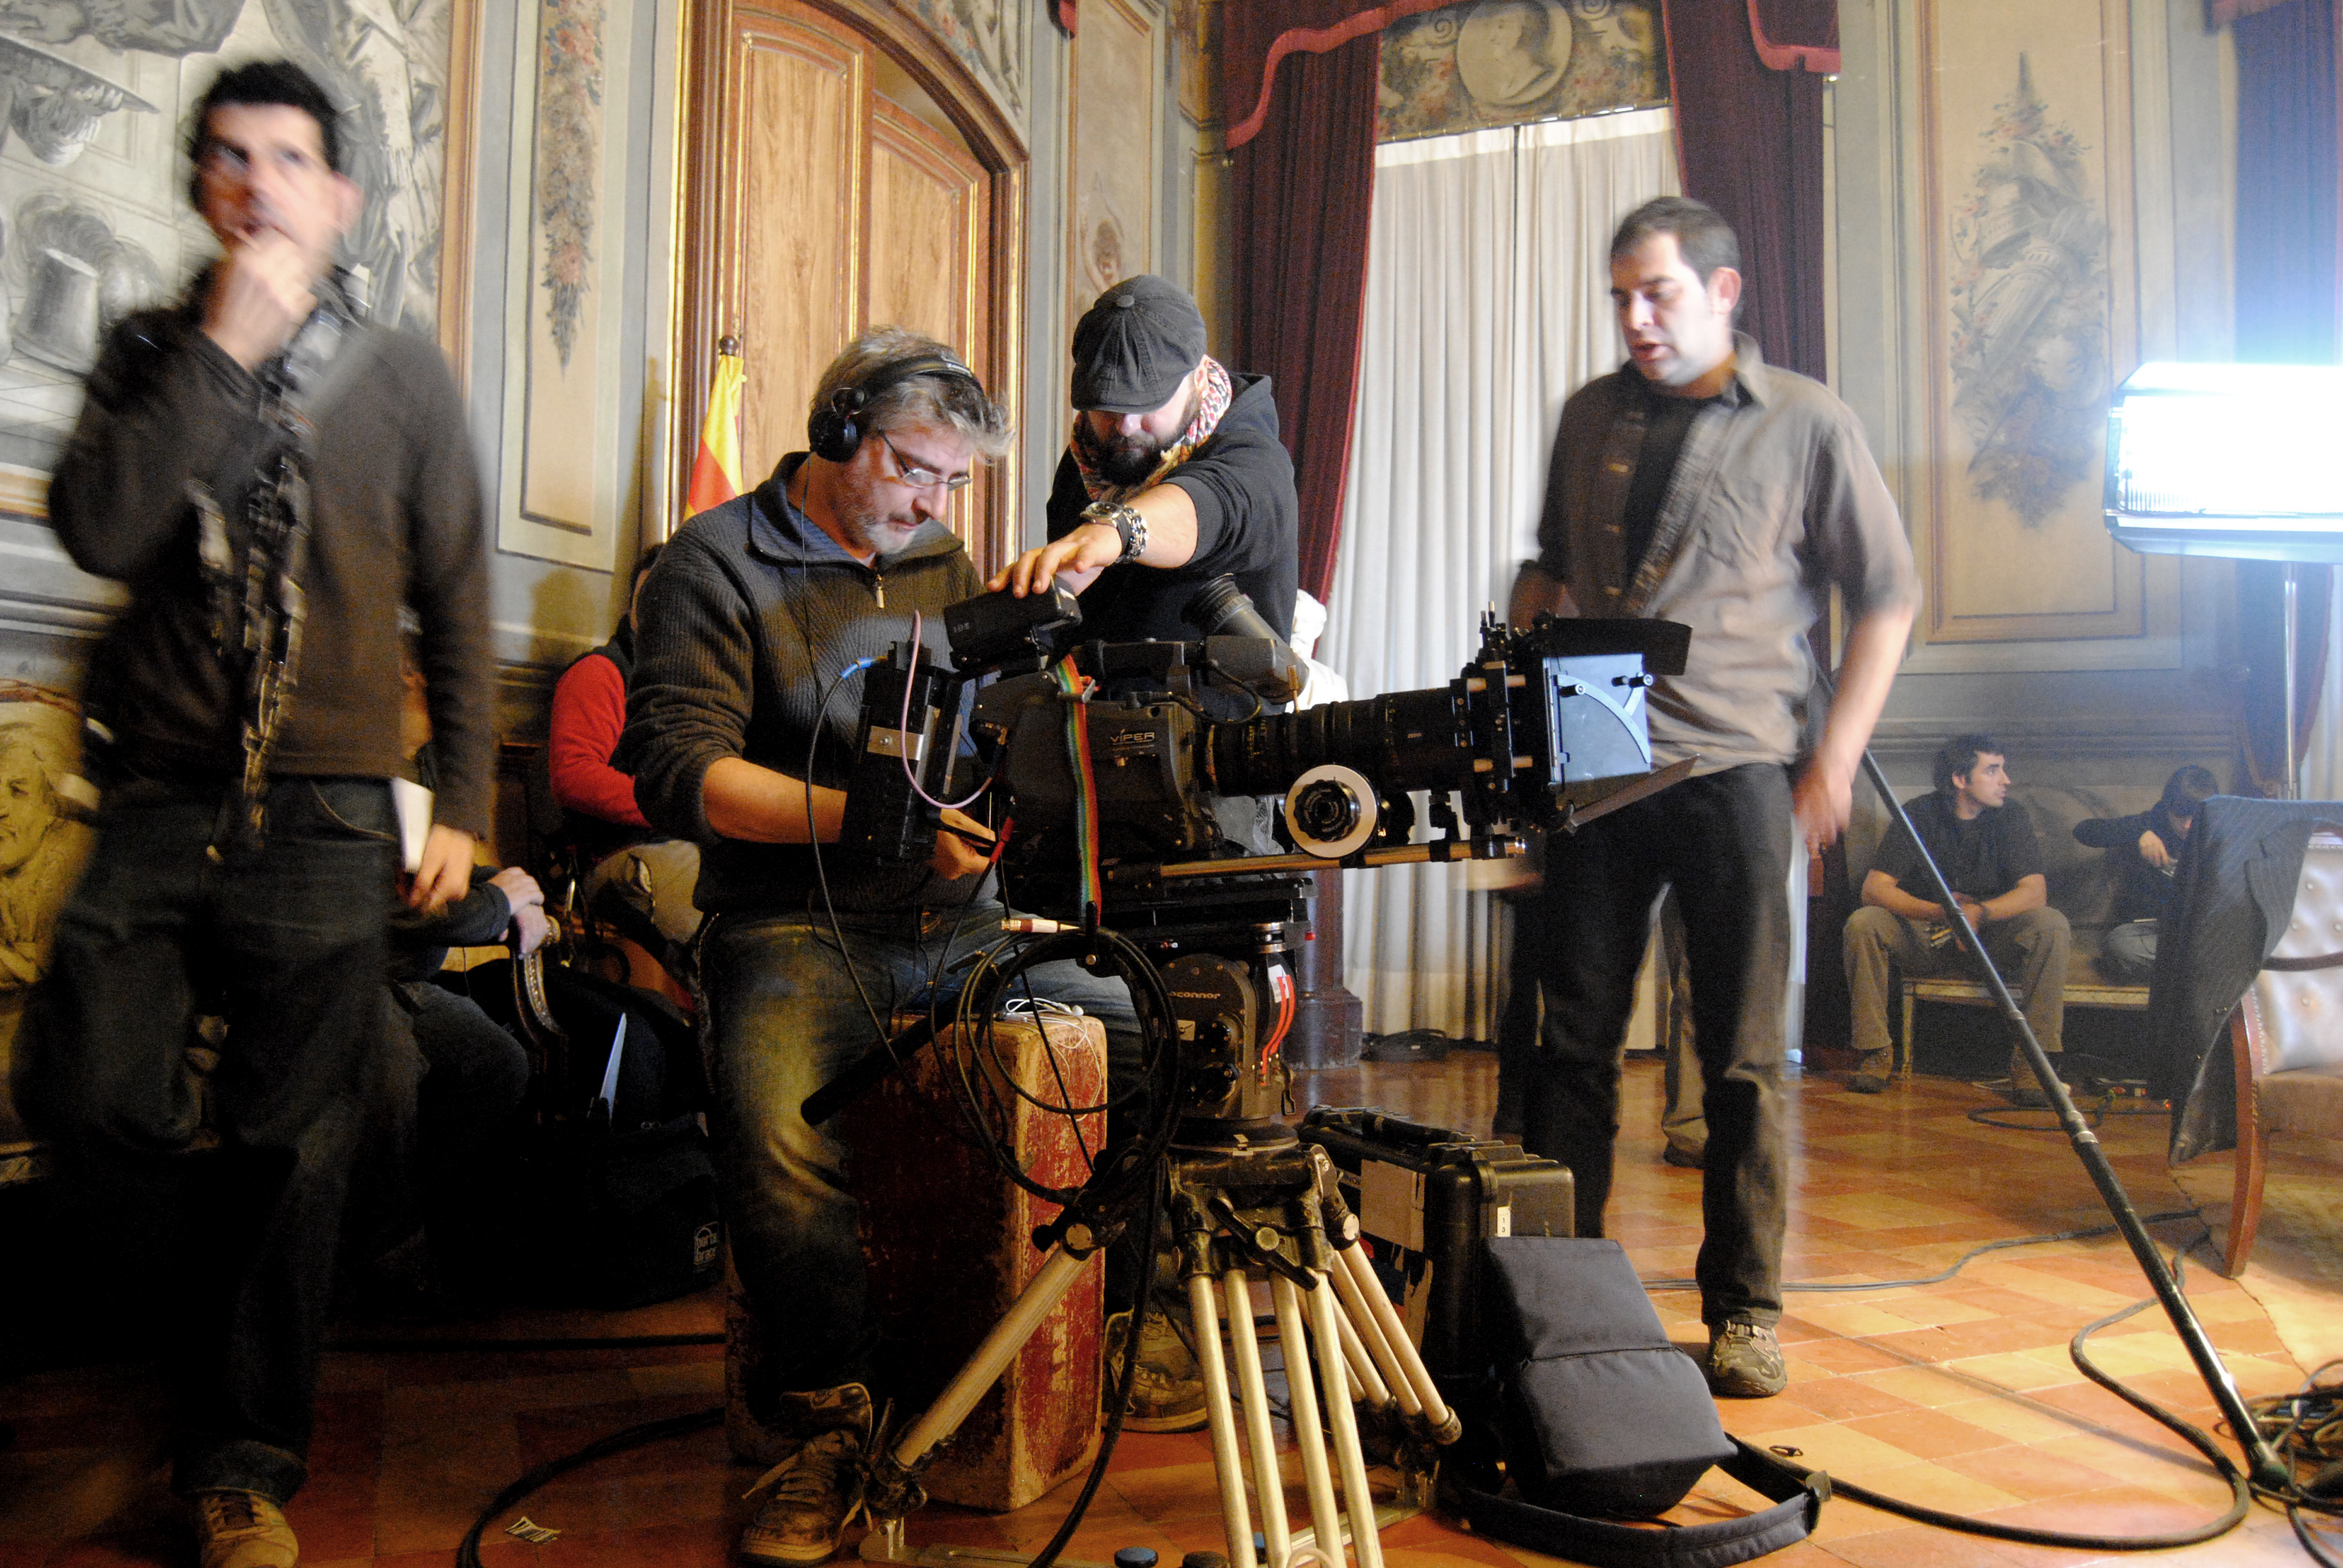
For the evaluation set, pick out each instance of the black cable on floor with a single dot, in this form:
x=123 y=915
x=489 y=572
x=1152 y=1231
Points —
x=1957 y=1264
x=2241 y=1500
x=2307 y=1427
x=468 y=1554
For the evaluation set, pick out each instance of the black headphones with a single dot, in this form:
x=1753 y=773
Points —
x=836 y=432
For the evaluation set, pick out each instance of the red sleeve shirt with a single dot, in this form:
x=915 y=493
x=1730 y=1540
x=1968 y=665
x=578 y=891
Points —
x=589 y=710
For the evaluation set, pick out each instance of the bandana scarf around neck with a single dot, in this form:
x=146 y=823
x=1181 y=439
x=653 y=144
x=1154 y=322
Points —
x=1213 y=391
x=258 y=606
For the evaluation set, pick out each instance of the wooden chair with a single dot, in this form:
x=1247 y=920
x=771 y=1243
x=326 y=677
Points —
x=2287 y=1036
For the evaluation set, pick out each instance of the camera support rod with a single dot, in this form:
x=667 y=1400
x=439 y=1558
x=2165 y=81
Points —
x=2267 y=1469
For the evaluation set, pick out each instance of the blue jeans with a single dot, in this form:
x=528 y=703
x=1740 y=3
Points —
x=2128 y=957
x=235 y=1249
x=783 y=1019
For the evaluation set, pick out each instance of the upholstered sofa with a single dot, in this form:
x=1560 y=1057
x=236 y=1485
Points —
x=2082 y=887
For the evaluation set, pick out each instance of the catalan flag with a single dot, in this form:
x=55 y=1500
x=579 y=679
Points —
x=716 y=470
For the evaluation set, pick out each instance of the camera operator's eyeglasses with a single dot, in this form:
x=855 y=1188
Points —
x=920 y=478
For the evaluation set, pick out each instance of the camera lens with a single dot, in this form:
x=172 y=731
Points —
x=1326 y=809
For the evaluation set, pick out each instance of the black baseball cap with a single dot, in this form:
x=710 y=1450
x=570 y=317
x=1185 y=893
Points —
x=1133 y=344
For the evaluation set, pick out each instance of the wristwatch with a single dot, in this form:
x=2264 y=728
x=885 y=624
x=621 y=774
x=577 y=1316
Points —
x=1128 y=525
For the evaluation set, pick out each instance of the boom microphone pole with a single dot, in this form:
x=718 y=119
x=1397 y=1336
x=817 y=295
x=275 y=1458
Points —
x=2267 y=1469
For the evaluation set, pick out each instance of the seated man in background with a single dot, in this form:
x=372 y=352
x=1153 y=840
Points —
x=450 y=1077
x=1992 y=861
x=630 y=874
x=2146 y=845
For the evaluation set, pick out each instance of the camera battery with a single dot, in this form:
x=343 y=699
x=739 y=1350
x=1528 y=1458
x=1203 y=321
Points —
x=1431 y=1198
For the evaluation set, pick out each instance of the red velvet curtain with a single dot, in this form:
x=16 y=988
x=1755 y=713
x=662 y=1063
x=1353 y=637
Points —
x=1300 y=194
x=1749 y=143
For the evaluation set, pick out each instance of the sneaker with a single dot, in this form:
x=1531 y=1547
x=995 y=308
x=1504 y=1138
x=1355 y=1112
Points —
x=817 y=1489
x=243 y=1530
x=1871 y=1073
x=1167 y=1393
x=1684 y=1158
x=1744 y=1362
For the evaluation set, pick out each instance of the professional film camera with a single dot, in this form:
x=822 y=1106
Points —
x=1116 y=766
x=1126 y=781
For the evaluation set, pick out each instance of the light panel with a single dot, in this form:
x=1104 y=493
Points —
x=2234 y=460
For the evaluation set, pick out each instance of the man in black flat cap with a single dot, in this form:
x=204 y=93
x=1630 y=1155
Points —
x=1175 y=474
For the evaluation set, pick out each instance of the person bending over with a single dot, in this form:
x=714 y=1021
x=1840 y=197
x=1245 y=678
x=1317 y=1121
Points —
x=2146 y=845
x=740 y=726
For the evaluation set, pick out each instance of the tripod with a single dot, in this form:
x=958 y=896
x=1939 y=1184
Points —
x=1247 y=1200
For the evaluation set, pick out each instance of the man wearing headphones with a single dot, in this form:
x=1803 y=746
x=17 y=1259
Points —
x=740 y=725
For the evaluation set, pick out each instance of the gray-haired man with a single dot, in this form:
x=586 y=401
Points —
x=747 y=622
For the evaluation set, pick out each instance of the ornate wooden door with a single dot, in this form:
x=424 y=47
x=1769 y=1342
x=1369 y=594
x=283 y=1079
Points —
x=844 y=174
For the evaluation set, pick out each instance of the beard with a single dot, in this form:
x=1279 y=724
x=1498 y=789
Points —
x=874 y=529
x=1132 y=460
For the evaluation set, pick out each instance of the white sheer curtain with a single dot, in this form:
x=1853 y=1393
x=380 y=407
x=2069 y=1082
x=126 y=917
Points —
x=2322 y=757
x=1488 y=302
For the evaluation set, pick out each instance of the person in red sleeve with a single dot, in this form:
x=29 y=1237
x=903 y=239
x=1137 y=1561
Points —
x=635 y=879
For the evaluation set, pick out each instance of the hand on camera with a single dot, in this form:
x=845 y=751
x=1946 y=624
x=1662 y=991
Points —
x=956 y=856
x=1076 y=559
x=261 y=294
x=2152 y=850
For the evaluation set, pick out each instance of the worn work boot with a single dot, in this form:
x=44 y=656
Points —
x=242 y=1530
x=1871 y=1072
x=1744 y=1361
x=817 y=1487
x=1167 y=1393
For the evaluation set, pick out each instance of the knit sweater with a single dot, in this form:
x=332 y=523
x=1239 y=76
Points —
x=395 y=520
x=747 y=622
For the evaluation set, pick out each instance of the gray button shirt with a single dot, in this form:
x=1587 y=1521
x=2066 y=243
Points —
x=1774 y=499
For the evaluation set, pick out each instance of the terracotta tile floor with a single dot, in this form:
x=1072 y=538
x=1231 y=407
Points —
x=1960 y=1395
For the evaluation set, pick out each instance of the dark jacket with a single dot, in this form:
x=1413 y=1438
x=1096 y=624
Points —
x=2231 y=904
x=397 y=520
x=419 y=942
x=747 y=622
x=1247 y=524
x=2142 y=892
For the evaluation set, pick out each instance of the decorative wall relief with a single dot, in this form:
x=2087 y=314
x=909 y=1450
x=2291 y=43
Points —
x=44 y=839
x=2029 y=306
x=570 y=69
x=990 y=38
x=564 y=301
x=95 y=95
x=1487 y=63
x=2026 y=120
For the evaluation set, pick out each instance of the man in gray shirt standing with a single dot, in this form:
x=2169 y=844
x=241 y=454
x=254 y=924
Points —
x=1698 y=484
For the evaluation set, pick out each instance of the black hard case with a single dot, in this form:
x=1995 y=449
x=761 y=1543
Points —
x=1473 y=1191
